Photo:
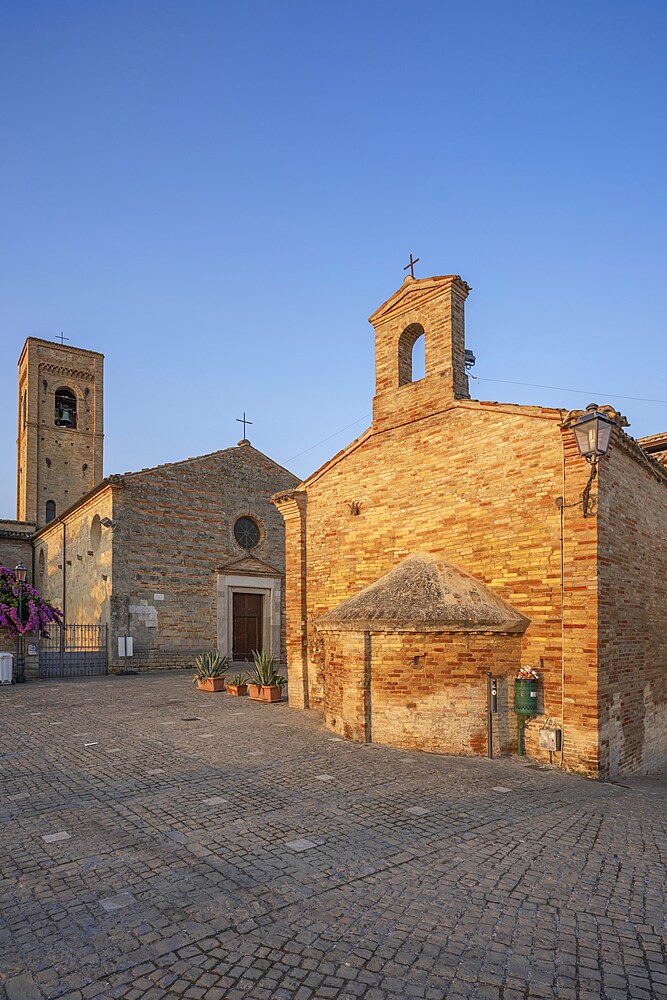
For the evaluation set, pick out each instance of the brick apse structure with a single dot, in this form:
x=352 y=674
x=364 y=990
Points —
x=485 y=497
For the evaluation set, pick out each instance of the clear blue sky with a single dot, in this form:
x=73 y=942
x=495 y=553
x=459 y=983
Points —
x=218 y=194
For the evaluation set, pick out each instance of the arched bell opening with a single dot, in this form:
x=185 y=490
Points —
x=65 y=408
x=411 y=354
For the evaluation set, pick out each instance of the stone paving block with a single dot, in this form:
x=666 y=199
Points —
x=22 y=988
x=300 y=845
x=550 y=892
x=118 y=902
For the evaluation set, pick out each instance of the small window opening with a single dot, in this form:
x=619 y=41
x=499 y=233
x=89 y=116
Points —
x=42 y=562
x=65 y=408
x=50 y=510
x=95 y=532
x=411 y=354
x=247 y=533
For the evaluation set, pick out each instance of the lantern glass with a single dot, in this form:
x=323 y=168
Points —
x=21 y=573
x=592 y=433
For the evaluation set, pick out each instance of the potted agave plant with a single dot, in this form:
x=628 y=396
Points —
x=265 y=683
x=210 y=674
x=237 y=685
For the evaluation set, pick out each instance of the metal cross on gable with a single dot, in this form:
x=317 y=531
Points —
x=62 y=338
x=411 y=265
x=243 y=421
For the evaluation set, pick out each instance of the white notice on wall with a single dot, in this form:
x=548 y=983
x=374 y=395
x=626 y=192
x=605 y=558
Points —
x=125 y=645
x=158 y=597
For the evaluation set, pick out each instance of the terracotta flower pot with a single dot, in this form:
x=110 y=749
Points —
x=237 y=689
x=270 y=692
x=253 y=691
x=211 y=684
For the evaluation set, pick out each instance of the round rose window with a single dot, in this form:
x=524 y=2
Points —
x=246 y=533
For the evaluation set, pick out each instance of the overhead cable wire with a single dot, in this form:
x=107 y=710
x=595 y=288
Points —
x=501 y=381
x=324 y=440
x=560 y=388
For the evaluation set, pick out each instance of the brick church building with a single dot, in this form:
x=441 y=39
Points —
x=450 y=540
x=182 y=558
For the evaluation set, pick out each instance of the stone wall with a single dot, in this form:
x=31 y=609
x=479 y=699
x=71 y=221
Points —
x=57 y=463
x=73 y=561
x=15 y=545
x=173 y=530
x=632 y=521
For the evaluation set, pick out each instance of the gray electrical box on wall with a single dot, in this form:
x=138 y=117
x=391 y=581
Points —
x=550 y=739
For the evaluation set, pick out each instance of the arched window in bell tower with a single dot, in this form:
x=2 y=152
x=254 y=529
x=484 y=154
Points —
x=50 y=511
x=411 y=354
x=65 y=408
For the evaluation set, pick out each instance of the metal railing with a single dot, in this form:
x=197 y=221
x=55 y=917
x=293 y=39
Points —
x=73 y=651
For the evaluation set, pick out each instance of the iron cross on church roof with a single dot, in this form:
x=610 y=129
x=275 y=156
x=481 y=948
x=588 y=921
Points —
x=62 y=338
x=411 y=265
x=244 y=422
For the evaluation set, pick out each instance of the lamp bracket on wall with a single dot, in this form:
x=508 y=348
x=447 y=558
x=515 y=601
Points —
x=587 y=501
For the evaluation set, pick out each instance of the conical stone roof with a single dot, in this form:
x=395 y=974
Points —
x=424 y=594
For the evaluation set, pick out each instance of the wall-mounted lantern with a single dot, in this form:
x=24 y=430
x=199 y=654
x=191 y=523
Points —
x=592 y=432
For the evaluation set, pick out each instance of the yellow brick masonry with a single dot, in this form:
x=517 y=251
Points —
x=476 y=483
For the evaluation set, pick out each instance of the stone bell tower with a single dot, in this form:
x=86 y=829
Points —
x=60 y=428
x=432 y=308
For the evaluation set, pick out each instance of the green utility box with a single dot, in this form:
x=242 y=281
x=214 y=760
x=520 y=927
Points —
x=525 y=697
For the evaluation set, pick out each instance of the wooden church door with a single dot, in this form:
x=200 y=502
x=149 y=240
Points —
x=247 y=611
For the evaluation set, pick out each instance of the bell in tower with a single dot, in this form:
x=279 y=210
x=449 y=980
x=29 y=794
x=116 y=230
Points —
x=65 y=408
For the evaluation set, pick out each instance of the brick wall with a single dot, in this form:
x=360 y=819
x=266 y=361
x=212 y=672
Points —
x=476 y=484
x=436 y=307
x=425 y=692
x=632 y=522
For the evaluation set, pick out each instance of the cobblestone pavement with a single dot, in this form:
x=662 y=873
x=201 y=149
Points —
x=161 y=842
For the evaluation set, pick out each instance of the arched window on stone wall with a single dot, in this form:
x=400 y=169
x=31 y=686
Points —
x=41 y=564
x=50 y=512
x=411 y=350
x=95 y=533
x=65 y=408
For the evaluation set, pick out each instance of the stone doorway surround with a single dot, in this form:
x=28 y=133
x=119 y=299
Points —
x=249 y=576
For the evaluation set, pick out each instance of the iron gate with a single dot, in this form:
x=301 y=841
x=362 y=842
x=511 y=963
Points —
x=73 y=651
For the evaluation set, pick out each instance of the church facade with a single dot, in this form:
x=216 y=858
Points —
x=449 y=541
x=182 y=558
